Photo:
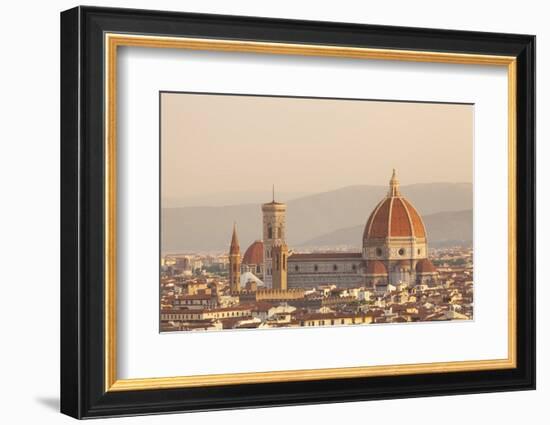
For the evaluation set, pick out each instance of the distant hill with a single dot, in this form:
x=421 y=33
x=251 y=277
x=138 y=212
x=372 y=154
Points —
x=308 y=217
x=229 y=198
x=444 y=229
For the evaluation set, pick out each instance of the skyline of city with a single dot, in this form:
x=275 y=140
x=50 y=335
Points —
x=395 y=278
x=355 y=248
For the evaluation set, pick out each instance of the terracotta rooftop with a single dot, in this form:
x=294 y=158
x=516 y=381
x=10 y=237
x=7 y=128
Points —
x=425 y=266
x=321 y=316
x=376 y=268
x=194 y=297
x=234 y=308
x=262 y=306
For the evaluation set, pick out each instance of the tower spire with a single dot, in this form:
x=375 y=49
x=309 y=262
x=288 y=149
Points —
x=394 y=184
x=234 y=248
x=234 y=262
x=273 y=193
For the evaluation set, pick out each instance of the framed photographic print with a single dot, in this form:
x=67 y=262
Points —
x=261 y=212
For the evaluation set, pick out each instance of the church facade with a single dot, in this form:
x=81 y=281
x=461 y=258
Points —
x=395 y=252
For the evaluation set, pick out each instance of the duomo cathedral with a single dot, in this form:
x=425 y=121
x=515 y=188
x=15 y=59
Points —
x=395 y=249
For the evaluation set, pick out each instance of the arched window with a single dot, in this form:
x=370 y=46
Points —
x=335 y=267
x=269 y=232
x=284 y=262
x=316 y=267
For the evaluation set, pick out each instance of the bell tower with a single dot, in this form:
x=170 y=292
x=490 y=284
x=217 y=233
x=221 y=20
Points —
x=274 y=232
x=234 y=262
x=279 y=256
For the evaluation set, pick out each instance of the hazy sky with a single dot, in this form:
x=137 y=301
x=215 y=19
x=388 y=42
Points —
x=212 y=143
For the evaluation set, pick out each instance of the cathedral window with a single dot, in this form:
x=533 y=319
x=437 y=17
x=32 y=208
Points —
x=401 y=251
x=335 y=267
x=316 y=267
x=296 y=268
x=269 y=232
x=379 y=251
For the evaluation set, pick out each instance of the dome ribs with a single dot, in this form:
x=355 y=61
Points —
x=400 y=222
x=416 y=220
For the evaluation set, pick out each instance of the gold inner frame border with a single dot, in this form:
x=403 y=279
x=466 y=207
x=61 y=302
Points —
x=113 y=40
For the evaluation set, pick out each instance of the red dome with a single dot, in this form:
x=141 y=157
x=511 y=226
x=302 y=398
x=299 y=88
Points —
x=254 y=253
x=425 y=266
x=394 y=216
x=376 y=267
x=404 y=264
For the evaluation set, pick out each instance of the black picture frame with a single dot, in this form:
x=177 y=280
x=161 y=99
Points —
x=83 y=392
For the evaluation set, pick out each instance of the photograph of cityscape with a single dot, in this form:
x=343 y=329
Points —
x=291 y=212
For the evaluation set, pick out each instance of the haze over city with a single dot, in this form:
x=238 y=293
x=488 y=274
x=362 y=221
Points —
x=305 y=146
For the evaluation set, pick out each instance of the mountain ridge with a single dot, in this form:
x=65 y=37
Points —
x=443 y=228
x=209 y=228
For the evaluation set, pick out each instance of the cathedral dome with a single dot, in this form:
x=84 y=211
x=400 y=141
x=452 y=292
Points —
x=425 y=266
x=254 y=253
x=376 y=267
x=394 y=216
